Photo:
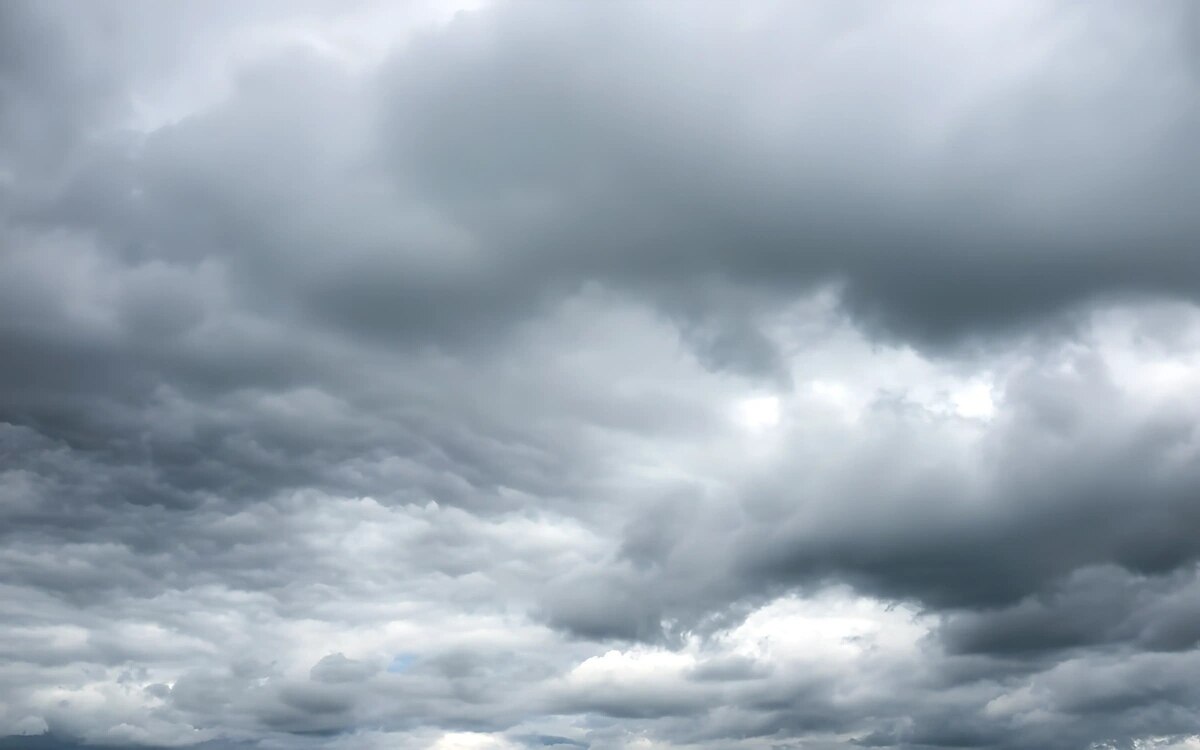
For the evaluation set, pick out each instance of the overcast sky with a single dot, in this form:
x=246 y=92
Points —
x=600 y=375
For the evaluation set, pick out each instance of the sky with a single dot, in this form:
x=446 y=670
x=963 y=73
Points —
x=599 y=375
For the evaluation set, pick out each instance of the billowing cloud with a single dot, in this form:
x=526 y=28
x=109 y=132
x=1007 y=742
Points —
x=482 y=376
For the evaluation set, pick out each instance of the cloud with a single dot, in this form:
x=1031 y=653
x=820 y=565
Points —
x=611 y=376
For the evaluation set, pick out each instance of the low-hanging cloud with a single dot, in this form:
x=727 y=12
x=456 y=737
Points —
x=619 y=375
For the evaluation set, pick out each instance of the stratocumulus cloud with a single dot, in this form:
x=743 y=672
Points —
x=499 y=375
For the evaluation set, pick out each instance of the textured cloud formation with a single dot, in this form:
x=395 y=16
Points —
x=488 y=376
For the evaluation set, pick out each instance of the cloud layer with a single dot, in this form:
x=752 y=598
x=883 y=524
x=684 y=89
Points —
x=619 y=375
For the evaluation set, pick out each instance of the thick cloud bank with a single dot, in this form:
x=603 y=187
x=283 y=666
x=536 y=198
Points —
x=599 y=375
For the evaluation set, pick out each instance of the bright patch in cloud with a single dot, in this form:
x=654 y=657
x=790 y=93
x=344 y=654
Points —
x=975 y=402
x=759 y=413
x=471 y=741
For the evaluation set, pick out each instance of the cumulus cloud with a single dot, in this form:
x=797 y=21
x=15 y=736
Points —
x=489 y=375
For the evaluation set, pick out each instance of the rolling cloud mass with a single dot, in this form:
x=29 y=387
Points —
x=599 y=376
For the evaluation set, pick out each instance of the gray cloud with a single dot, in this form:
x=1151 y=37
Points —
x=601 y=376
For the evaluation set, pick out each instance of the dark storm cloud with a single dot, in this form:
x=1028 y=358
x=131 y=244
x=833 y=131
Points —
x=1092 y=607
x=631 y=151
x=526 y=155
x=329 y=344
x=1048 y=508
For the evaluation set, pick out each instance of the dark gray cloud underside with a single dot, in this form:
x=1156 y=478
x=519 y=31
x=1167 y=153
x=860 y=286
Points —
x=380 y=346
